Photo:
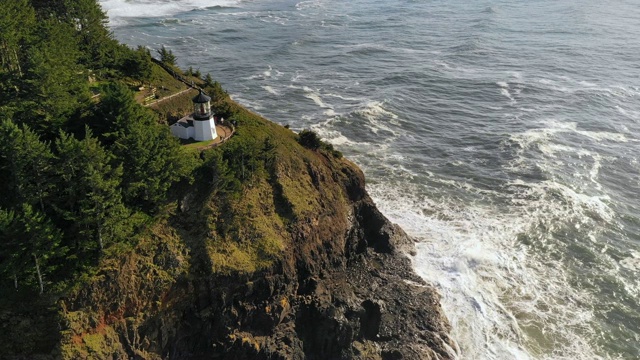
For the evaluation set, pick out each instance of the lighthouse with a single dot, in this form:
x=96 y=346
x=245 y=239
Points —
x=199 y=126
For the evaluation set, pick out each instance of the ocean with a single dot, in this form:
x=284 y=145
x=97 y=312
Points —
x=503 y=135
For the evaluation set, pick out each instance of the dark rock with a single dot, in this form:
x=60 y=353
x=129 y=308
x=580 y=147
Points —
x=342 y=289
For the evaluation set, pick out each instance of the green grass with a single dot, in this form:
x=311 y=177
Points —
x=199 y=144
x=171 y=110
x=165 y=82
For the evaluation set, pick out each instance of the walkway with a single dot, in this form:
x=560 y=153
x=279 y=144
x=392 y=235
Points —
x=224 y=134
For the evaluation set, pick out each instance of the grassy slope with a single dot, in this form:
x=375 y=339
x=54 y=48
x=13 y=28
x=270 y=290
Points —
x=221 y=234
x=230 y=234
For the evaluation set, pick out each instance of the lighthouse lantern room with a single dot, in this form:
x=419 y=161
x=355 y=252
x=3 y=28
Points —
x=201 y=106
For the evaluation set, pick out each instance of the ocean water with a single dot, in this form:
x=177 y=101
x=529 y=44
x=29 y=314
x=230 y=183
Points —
x=503 y=135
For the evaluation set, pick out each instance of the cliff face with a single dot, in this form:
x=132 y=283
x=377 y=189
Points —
x=299 y=265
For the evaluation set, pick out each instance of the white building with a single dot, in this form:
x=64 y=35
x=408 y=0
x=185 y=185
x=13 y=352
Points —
x=199 y=126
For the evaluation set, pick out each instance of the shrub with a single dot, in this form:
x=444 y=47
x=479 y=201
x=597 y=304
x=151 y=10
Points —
x=309 y=139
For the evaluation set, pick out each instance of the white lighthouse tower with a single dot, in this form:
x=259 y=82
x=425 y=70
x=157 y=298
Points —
x=203 y=122
x=200 y=125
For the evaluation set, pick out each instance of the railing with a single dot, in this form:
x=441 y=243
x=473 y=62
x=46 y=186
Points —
x=173 y=73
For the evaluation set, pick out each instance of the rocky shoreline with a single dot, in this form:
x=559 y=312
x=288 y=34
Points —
x=344 y=289
x=297 y=263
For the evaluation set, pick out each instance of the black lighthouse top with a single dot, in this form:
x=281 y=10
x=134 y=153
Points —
x=201 y=107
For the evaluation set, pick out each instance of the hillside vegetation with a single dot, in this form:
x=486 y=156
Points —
x=118 y=242
x=87 y=173
x=80 y=173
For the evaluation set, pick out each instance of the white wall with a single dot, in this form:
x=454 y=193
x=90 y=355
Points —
x=204 y=130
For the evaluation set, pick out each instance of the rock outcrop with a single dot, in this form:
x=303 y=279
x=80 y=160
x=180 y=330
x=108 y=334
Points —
x=299 y=265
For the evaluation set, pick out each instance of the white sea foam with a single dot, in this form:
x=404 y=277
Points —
x=587 y=84
x=335 y=137
x=554 y=85
x=498 y=294
x=346 y=98
x=271 y=90
x=378 y=118
x=254 y=105
x=273 y=19
x=568 y=85
x=315 y=97
x=374 y=110
x=304 y=5
x=552 y=127
x=267 y=73
x=632 y=262
x=507 y=298
x=504 y=90
x=118 y=10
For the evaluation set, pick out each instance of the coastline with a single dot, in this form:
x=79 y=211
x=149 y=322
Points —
x=342 y=286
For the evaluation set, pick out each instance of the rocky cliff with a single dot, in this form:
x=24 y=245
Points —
x=295 y=263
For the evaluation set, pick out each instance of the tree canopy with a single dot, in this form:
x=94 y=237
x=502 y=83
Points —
x=64 y=196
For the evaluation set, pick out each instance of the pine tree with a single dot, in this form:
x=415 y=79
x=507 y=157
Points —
x=208 y=80
x=99 y=49
x=17 y=20
x=25 y=167
x=89 y=197
x=222 y=177
x=166 y=56
x=12 y=262
x=56 y=84
x=17 y=23
x=32 y=245
x=153 y=161
x=137 y=64
x=116 y=110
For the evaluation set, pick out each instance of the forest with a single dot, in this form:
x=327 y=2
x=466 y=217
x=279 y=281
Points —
x=83 y=166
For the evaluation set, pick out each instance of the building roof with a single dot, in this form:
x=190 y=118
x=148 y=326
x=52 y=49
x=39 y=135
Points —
x=185 y=122
x=201 y=98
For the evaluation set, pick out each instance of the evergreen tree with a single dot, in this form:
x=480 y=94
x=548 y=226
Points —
x=17 y=20
x=153 y=161
x=137 y=64
x=56 y=85
x=89 y=198
x=99 y=49
x=32 y=246
x=243 y=157
x=116 y=110
x=222 y=176
x=166 y=56
x=12 y=262
x=25 y=167
x=309 y=139
x=208 y=80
